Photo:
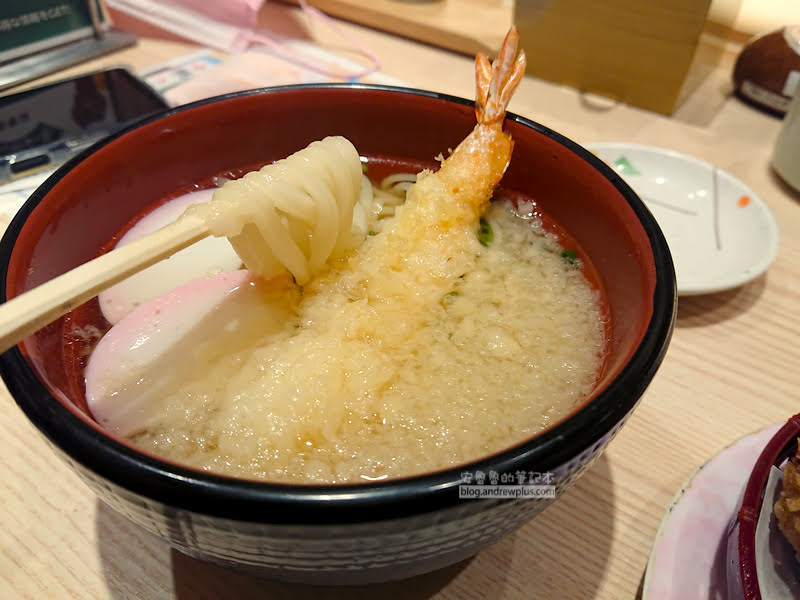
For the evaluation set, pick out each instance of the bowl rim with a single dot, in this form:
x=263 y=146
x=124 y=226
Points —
x=246 y=500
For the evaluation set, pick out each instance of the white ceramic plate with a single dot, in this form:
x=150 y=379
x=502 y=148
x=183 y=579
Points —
x=720 y=233
x=688 y=559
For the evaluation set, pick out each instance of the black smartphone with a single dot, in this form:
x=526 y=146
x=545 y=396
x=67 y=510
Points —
x=44 y=126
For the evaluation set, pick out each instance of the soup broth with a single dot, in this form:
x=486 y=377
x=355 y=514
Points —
x=381 y=375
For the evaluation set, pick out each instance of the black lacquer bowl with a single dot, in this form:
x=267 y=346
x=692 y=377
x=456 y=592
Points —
x=330 y=534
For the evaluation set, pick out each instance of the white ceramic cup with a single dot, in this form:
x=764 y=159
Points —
x=786 y=155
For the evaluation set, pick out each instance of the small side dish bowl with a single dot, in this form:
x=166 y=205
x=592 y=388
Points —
x=743 y=544
x=348 y=533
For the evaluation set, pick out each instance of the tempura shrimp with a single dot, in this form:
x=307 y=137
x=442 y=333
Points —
x=443 y=208
x=460 y=190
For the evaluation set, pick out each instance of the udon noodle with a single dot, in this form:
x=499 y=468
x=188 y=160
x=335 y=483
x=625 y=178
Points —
x=292 y=214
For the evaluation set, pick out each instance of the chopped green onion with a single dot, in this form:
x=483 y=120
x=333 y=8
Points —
x=364 y=168
x=485 y=233
x=570 y=256
x=370 y=232
x=447 y=299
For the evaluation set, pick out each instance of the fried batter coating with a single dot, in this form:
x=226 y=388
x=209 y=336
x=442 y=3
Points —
x=787 y=508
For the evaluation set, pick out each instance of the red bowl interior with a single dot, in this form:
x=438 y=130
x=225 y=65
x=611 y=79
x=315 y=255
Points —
x=91 y=199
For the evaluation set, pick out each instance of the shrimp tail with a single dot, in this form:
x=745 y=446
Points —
x=496 y=82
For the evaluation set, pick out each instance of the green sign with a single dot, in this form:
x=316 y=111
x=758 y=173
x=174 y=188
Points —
x=28 y=26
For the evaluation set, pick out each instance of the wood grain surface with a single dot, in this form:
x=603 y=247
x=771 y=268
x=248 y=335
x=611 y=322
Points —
x=732 y=368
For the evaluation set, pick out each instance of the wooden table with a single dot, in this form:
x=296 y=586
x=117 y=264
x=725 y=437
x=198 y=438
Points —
x=732 y=368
